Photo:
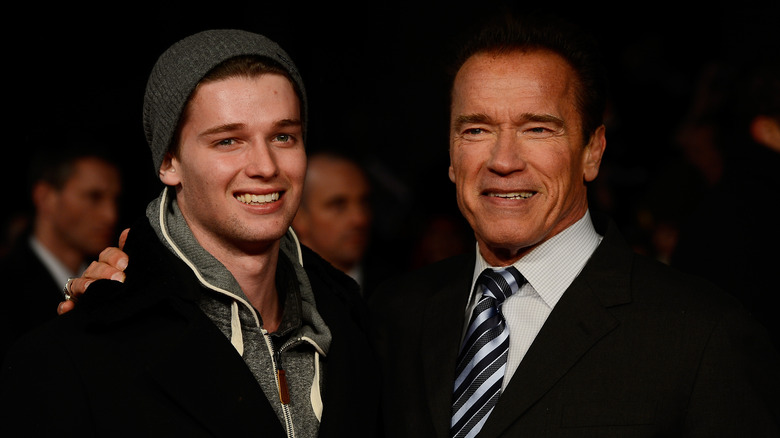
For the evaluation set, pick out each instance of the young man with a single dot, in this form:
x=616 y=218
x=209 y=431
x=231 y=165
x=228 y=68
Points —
x=225 y=326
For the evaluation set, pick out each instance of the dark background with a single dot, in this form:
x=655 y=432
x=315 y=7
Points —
x=377 y=83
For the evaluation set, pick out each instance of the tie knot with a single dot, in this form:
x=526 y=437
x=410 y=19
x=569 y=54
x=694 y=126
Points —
x=501 y=283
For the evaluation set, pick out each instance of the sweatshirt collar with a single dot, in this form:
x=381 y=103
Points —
x=299 y=305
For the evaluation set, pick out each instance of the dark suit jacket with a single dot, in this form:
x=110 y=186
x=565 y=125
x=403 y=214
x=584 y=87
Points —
x=31 y=294
x=141 y=359
x=632 y=349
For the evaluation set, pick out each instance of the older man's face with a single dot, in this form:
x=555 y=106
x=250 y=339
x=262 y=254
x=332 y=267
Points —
x=517 y=156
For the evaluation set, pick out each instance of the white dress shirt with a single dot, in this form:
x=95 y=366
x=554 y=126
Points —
x=58 y=271
x=550 y=268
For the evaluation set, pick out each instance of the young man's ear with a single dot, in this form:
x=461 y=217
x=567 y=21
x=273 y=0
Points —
x=168 y=174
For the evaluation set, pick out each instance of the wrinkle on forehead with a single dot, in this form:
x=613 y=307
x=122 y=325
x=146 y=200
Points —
x=493 y=79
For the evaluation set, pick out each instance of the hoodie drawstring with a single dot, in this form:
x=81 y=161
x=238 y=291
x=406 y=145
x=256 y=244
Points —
x=315 y=396
x=236 y=336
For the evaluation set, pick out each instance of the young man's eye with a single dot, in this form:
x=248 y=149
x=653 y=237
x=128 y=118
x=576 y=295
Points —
x=226 y=142
x=286 y=139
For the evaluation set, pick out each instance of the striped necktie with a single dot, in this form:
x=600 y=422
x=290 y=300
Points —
x=482 y=358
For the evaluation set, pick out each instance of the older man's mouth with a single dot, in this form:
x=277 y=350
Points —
x=512 y=195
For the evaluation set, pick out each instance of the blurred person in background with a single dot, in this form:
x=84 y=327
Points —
x=336 y=218
x=75 y=194
x=335 y=215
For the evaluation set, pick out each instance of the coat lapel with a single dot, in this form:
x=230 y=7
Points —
x=187 y=361
x=579 y=320
x=441 y=331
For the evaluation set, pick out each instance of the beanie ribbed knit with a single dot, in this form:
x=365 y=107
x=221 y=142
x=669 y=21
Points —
x=180 y=68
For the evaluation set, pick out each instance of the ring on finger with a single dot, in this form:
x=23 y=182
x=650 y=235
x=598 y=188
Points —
x=66 y=290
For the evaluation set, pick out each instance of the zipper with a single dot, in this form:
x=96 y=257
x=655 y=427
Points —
x=281 y=384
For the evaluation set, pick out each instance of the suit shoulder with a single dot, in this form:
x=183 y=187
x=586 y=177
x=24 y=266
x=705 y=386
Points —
x=428 y=277
x=649 y=273
x=664 y=287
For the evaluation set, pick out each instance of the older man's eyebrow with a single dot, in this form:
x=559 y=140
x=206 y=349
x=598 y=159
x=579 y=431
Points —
x=480 y=118
x=468 y=119
x=542 y=118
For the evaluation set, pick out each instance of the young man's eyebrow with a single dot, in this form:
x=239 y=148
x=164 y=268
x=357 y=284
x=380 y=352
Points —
x=289 y=122
x=228 y=127
x=222 y=128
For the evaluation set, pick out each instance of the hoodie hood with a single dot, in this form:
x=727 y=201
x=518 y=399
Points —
x=299 y=309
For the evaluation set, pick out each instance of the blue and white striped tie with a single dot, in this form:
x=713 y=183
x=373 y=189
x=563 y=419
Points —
x=482 y=358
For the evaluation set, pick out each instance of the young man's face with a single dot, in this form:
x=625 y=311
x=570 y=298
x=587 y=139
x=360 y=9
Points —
x=241 y=163
x=517 y=156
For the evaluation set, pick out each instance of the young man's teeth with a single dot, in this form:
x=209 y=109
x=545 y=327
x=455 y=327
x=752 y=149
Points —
x=516 y=195
x=258 y=199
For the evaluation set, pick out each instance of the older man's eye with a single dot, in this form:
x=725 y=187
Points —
x=540 y=132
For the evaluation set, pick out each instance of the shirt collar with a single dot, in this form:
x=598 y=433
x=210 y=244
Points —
x=552 y=266
x=55 y=267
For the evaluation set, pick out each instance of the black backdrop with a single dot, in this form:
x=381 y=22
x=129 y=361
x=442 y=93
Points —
x=376 y=79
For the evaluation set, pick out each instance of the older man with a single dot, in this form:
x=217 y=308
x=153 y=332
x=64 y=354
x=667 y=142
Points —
x=552 y=326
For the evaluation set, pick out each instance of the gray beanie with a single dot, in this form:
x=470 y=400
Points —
x=182 y=67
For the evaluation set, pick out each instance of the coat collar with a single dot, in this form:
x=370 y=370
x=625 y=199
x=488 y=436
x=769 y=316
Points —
x=190 y=370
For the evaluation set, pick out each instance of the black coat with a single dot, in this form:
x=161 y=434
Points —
x=142 y=359
x=31 y=294
x=632 y=349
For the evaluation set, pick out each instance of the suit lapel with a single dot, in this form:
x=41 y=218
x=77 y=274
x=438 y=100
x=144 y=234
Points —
x=579 y=320
x=441 y=331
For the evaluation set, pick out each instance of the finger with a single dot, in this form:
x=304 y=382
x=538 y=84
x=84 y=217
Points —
x=114 y=257
x=79 y=285
x=123 y=238
x=65 y=307
x=102 y=271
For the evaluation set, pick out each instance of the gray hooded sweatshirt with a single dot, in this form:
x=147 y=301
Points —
x=297 y=347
